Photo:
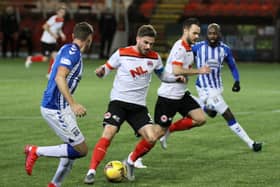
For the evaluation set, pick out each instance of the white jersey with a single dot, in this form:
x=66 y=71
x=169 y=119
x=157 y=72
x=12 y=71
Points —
x=55 y=24
x=133 y=75
x=181 y=54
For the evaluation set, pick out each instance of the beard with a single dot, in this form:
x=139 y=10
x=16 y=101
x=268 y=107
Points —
x=213 y=42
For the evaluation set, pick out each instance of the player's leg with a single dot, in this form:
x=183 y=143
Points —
x=65 y=126
x=203 y=95
x=100 y=151
x=113 y=119
x=165 y=110
x=142 y=124
x=193 y=117
x=64 y=167
x=239 y=131
x=146 y=143
x=38 y=58
x=218 y=103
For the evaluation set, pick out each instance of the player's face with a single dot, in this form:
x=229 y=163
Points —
x=212 y=35
x=61 y=13
x=192 y=33
x=144 y=44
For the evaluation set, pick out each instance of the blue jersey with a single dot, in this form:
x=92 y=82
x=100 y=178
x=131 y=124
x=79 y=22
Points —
x=214 y=58
x=70 y=57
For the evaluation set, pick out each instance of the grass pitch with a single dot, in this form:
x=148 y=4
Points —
x=209 y=156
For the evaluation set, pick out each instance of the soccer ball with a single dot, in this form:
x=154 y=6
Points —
x=114 y=171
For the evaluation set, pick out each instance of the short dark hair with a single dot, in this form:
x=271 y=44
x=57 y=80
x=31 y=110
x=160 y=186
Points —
x=146 y=30
x=189 y=22
x=82 y=30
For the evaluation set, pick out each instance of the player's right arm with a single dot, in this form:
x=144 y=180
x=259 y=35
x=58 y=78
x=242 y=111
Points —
x=46 y=27
x=178 y=62
x=179 y=70
x=111 y=64
x=61 y=82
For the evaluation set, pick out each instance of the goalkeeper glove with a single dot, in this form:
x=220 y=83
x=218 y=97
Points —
x=236 y=86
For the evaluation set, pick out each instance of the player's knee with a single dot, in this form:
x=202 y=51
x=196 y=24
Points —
x=151 y=138
x=200 y=121
x=160 y=131
x=83 y=152
x=78 y=152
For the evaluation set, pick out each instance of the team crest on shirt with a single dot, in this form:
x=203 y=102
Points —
x=107 y=115
x=150 y=64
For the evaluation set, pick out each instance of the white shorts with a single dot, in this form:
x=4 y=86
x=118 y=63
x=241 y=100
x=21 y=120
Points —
x=212 y=99
x=64 y=124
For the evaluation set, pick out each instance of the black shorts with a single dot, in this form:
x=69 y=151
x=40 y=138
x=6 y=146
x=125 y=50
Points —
x=137 y=116
x=47 y=49
x=166 y=109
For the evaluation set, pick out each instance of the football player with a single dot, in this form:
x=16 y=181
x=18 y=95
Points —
x=213 y=52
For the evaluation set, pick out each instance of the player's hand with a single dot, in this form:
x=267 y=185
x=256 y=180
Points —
x=100 y=71
x=204 y=69
x=181 y=79
x=78 y=110
x=236 y=86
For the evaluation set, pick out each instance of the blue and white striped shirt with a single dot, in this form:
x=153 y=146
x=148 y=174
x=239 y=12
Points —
x=214 y=58
x=69 y=56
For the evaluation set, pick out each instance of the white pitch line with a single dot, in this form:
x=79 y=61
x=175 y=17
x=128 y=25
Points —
x=263 y=112
x=40 y=117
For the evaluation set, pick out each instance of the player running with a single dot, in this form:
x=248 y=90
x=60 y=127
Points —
x=213 y=52
x=59 y=108
x=52 y=31
x=134 y=65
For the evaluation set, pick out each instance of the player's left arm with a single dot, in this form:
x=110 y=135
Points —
x=46 y=27
x=234 y=70
x=165 y=76
x=168 y=77
x=62 y=85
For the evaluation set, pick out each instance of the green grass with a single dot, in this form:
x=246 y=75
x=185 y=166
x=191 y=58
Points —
x=209 y=156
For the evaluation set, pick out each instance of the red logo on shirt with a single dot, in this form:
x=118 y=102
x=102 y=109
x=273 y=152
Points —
x=138 y=71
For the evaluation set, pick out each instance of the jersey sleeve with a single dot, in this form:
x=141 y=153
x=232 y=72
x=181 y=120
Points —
x=178 y=57
x=231 y=63
x=113 y=62
x=51 y=20
x=159 y=67
x=159 y=64
x=69 y=57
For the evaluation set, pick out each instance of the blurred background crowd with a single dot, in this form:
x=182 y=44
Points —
x=250 y=27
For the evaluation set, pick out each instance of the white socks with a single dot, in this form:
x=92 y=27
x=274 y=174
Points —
x=238 y=130
x=91 y=171
x=53 y=151
x=64 y=167
x=129 y=160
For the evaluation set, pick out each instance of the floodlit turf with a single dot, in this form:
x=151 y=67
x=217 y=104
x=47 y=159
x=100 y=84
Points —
x=209 y=156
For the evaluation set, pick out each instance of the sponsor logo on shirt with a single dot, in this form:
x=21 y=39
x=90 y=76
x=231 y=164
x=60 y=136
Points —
x=138 y=71
x=65 y=61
